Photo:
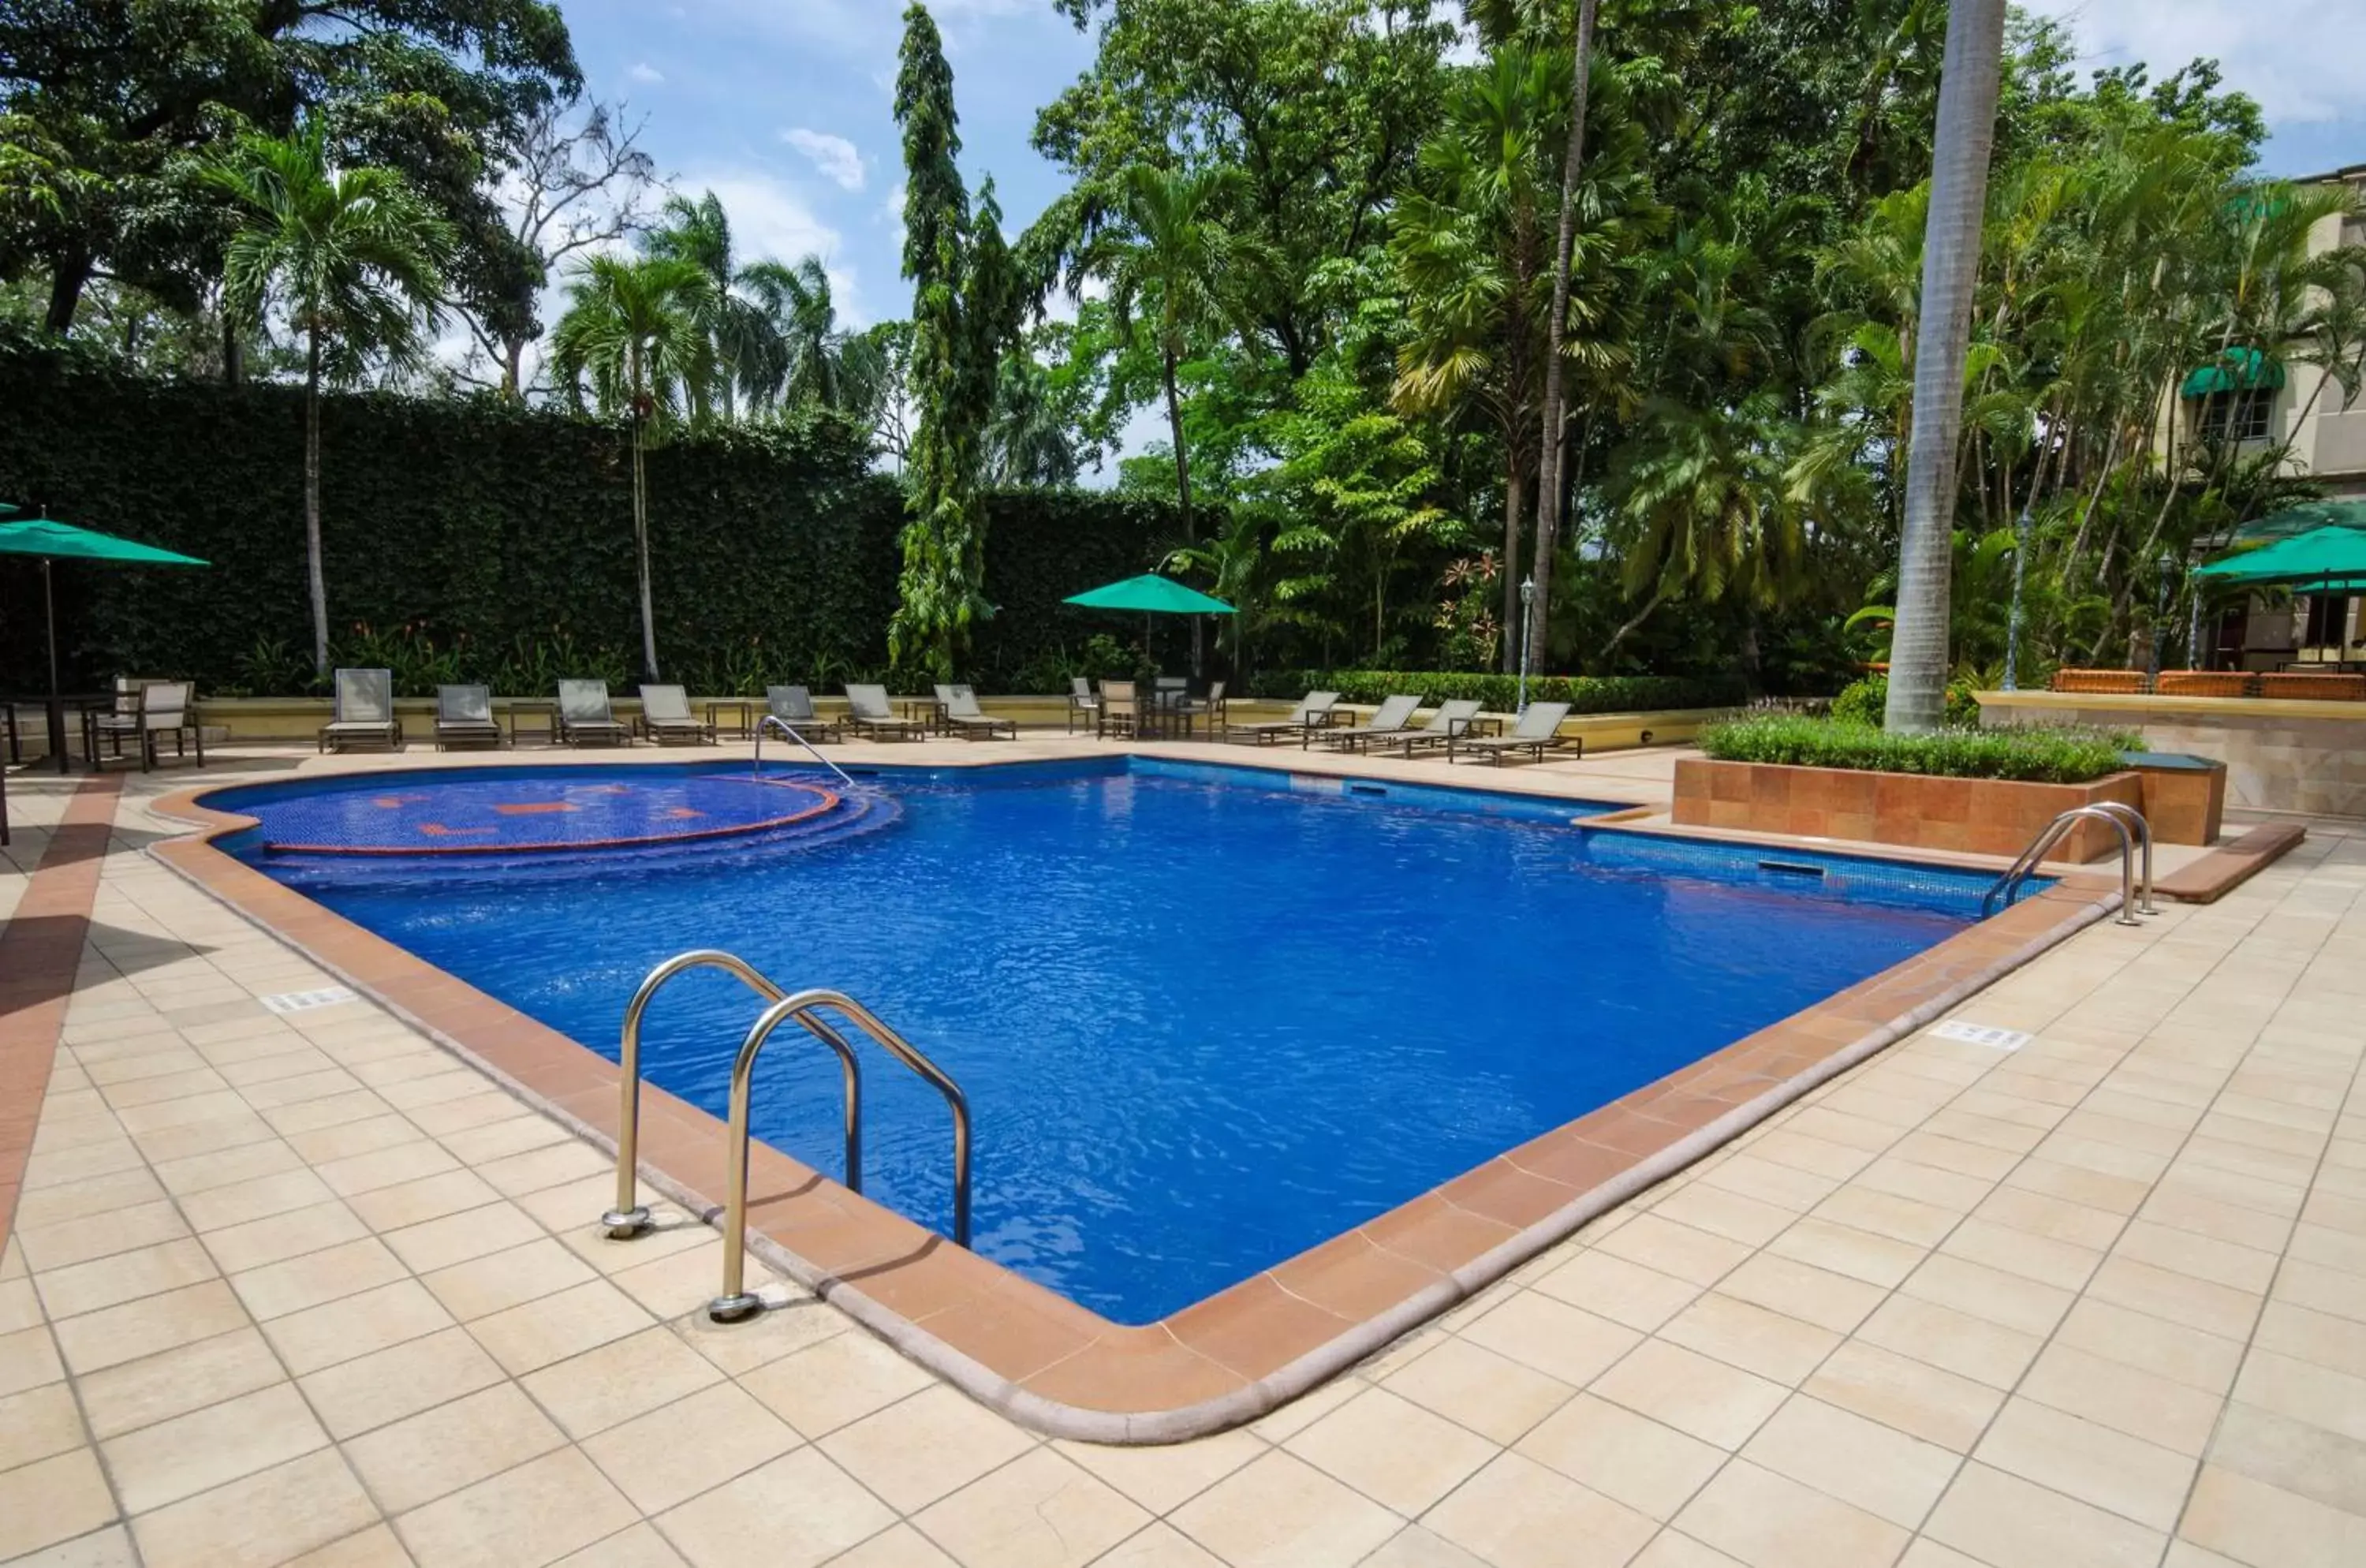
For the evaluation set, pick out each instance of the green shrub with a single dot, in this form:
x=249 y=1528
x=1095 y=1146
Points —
x=1500 y=694
x=2041 y=756
x=1865 y=701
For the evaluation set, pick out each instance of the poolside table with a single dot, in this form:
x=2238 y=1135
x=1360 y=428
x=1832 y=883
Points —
x=926 y=712
x=548 y=707
x=745 y=707
x=56 y=706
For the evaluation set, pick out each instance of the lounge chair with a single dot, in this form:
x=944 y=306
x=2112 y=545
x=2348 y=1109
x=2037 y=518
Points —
x=1083 y=706
x=585 y=718
x=867 y=713
x=1211 y=706
x=365 y=715
x=1538 y=732
x=1314 y=712
x=1390 y=720
x=960 y=711
x=792 y=705
x=1120 y=711
x=464 y=717
x=666 y=717
x=1452 y=718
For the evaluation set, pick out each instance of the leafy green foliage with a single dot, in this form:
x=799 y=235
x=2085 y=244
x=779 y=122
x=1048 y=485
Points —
x=1500 y=694
x=1865 y=701
x=2037 y=755
x=474 y=529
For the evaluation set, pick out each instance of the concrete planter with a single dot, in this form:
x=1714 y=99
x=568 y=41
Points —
x=1992 y=817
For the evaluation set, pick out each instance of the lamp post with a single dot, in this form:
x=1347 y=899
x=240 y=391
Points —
x=2165 y=564
x=1527 y=601
x=2012 y=621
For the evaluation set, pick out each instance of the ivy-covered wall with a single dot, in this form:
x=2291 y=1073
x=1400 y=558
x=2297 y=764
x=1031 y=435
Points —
x=471 y=539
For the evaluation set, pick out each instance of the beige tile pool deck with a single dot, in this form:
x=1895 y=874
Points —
x=310 y=1288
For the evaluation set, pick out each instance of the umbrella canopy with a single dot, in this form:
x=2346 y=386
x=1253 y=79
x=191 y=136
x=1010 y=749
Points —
x=1150 y=595
x=2296 y=520
x=2319 y=556
x=52 y=540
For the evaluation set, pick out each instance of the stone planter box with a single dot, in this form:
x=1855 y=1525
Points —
x=1993 y=816
x=2184 y=797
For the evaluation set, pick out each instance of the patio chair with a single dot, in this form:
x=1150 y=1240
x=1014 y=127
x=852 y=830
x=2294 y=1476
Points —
x=585 y=718
x=1452 y=718
x=164 y=709
x=1211 y=707
x=114 y=724
x=867 y=713
x=792 y=705
x=1120 y=711
x=966 y=719
x=1083 y=706
x=665 y=718
x=1538 y=732
x=1390 y=718
x=464 y=717
x=1314 y=712
x=364 y=712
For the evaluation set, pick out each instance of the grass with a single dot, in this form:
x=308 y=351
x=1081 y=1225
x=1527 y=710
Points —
x=2035 y=756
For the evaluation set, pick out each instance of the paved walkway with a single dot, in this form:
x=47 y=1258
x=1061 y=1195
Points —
x=304 y=1288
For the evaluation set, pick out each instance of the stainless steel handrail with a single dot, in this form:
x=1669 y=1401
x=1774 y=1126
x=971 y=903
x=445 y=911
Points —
x=2143 y=829
x=2026 y=863
x=630 y=1216
x=736 y=1301
x=774 y=721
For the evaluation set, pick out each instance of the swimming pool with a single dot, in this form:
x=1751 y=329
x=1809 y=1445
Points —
x=1206 y=1015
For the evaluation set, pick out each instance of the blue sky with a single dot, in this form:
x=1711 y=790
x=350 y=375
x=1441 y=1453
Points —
x=783 y=107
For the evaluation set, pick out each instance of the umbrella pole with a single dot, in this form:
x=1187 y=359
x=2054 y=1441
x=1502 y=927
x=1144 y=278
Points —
x=57 y=703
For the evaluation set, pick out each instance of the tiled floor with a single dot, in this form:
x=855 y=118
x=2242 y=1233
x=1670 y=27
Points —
x=307 y=1289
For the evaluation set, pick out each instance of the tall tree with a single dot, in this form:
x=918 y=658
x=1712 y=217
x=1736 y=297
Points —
x=351 y=257
x=809 y=362
x=1951 y=264
x=751 y=358
x=632 y=331
x=966 y=306
x=1554 y=426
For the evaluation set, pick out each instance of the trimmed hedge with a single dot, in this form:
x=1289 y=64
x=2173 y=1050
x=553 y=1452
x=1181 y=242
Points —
x=468 y=538
x=1500 y=694
x=2037 y=755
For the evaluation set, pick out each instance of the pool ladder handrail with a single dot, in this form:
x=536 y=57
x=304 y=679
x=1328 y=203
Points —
x=2123 y=818
x=630 y=1217
x=774 y=721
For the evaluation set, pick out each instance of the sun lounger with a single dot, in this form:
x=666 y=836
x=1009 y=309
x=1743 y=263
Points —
x=867 y=713
x=1452 y=718
x=963 y=714
x=464 y=717
x=364 y=714
x=1538 y=732
x=665 y=718
x=792 y=705
x=1390 y=720
x=1312 y=712
x=585 y=718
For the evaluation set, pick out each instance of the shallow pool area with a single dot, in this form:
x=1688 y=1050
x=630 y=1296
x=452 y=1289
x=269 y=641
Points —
x=1207 y=1016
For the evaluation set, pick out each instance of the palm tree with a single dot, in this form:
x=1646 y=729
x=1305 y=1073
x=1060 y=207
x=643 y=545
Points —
x=632 y=331
x=1951 y=260
x=808 y=362
x=749 y=352
x=1028 y=441
x=351 y=257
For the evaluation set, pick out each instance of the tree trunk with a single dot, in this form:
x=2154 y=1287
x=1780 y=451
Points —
x=1951 y=261
x=317 y=579
x=69 y=275
x=233 y=353
x=641 y=550
x=1659 y=596
x=1182 y=490
x=1514 y=478
x=513 y=369
x=1548 y=450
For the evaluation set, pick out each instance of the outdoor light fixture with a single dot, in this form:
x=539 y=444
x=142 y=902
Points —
x=1528 y=598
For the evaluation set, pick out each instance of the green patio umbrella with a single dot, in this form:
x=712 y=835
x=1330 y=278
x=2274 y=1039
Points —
x=55 y=541
x=2320 y=556
x=2296 y=520
x=1152 y=595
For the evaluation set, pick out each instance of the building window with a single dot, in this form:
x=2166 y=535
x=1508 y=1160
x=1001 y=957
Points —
x=2240 y=415
x=2329 y=621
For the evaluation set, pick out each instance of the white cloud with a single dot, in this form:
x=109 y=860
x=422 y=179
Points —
x=2299 y=61
x=835 y=156
x=642 y=71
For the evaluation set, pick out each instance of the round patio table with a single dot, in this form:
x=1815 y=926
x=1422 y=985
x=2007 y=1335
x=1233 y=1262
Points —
x=55 y=705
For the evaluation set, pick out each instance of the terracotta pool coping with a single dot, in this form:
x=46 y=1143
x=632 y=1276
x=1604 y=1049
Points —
x=1061 y=1369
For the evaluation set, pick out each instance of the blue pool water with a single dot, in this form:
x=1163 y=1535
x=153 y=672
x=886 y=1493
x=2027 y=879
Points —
x=1205 y=1018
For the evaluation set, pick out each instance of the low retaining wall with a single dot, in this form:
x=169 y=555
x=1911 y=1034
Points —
x=2302 y=757
x=1992 y=817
